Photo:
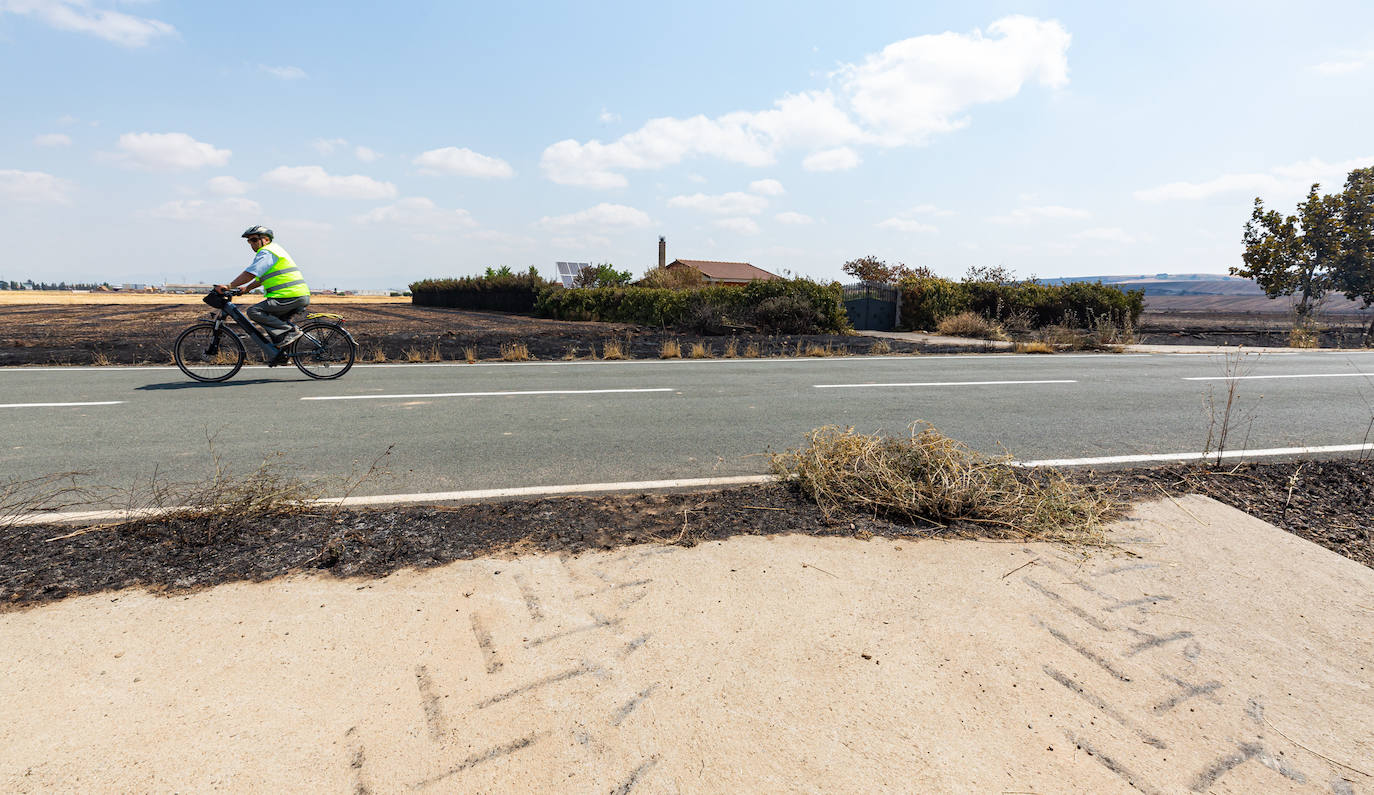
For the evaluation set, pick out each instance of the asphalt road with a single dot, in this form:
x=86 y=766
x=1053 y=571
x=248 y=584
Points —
x=586 y=422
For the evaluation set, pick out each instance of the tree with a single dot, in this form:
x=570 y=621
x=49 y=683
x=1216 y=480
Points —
x=872 y=269
x=601 y=275
x=1297 y=254
x=1354 y=273
x=997 y=274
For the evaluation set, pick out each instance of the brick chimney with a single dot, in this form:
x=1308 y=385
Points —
x=662 y=251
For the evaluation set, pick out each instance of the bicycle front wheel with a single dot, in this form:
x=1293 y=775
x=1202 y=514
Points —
x=209 y=354
x=324 y=350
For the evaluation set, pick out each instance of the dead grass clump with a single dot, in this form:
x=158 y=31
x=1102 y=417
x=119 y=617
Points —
x=701 y=350
x=515 y=352
x=570 y=354
x=731 y=349
x=100 y=359
x=1107 y=332
x=470 y=354
x=1034 y=347
x=814 y=349
x=416 y=353
x=972 y=325
x=611 y=349
x=374 y=353
x=672 y=349
x=879 y=348
x=1304 y=336
x=751 y=351
x=931 y=478
x=1062 y=338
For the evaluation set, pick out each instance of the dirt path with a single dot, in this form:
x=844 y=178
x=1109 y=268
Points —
x=753 y=664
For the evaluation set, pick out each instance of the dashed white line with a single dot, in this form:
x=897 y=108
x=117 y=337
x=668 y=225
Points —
x=43 y=405
x=940 y=383
x=488 y=394
x=1270 y=377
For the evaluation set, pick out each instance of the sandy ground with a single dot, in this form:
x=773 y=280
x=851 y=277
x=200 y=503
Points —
x=1223 y=655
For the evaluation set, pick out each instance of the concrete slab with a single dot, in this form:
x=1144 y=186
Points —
x=1221 y=655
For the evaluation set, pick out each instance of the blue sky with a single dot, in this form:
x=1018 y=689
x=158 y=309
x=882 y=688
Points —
x=435 y=139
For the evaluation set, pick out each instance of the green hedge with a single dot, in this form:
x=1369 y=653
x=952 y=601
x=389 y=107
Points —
x=501 y=292
x=793 y=306
x=927 y=301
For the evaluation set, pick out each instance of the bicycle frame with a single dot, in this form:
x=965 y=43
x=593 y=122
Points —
x=230 y=310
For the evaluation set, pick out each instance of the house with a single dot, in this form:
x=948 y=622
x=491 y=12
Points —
x=724 y=272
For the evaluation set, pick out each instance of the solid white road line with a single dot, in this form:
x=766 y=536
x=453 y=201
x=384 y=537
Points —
x=433 y=496
x=1141 y=459
x=1266 y=377
x=39 y=405
x=488 y=394
x=938 y=383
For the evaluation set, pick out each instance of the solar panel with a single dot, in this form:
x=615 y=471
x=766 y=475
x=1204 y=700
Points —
x=567 y=271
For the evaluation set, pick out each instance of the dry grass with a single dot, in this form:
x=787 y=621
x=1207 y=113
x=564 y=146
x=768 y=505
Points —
x=672 y=349
x=1061 y=338
x=417 y=353
x=612 y=349
x=19 y=497
x=570 y=354
x=470 y=354
x=972 y=325
x=1303 y=336
x=731 y=349
x=1034 y=347
x=515 y=352
x=879 y=348
x=374 y=353
x=814 y=349
x=928 y=477
x=701 y=350
x=99 y=359
x=751 y=351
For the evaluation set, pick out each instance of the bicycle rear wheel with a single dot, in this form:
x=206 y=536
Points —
x=324 y=350
x=209 y=355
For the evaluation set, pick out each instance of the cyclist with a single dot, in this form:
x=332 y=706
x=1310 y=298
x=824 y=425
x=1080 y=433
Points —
x=284 y=289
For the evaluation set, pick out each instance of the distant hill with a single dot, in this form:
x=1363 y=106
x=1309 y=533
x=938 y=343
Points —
x=1208 y=293
x=1174 y=283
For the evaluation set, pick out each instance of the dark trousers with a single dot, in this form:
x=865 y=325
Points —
x=269 y=313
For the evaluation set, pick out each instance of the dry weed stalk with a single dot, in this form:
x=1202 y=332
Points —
x=19 y=497
x=731 y=349
x=931 y=478
x=611 y=349
x=879 y=348
x=751 y=351
x=1220 y=420
x=816 y=349
x=375 y=353
x=701 y=350
x=570 y=354
x=671 y=349
x=515 y=352
x=1034 y=347
x=470 y=354
x=100 y=359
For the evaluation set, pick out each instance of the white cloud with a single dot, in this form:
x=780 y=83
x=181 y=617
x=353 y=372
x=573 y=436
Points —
x=1111 y=234
x=1345 y=63
x=34 y=187
x=167 y=152
x=417 y=211
x=909 y=225
x=697 y=178
x=52 y=140
x=366 y=155
x=1047 y=212
x=839 y=159
x=601 y=216
x=923 y=85
x=744 y=226
x=733 y=203
x=581 y=242
x=316 y=182
x=795 y=219
x=767 y=187
x=226 y=186
x=607 y=117
x=79 y=17
x=929 y=209
x=901 y=96
x=207 y=209
x=463 y=163
x=284 y=72
x=327 y=146
x=1294 y=178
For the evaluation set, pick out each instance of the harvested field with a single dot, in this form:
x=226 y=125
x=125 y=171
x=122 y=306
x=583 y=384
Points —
x=134 y=333
x=1173 y=320
x=1325 y=502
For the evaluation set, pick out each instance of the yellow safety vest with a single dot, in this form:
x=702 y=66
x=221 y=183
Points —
x=283 y=279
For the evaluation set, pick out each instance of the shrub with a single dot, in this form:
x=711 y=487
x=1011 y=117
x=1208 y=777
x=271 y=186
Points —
x=671 y=279
x=927 y=301
x=970 y=324
x=499 y=290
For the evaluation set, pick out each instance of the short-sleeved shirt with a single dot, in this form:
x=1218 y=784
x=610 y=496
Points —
x=262 y=263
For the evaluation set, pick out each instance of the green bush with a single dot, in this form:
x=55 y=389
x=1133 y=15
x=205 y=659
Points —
x=500 y=290
x=804 y=306
x=927 y=301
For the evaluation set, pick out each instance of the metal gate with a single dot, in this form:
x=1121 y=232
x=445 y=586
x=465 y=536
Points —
x=872 y=307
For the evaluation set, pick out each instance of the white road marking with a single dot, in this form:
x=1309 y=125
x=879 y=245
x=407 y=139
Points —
x=39 y=405
x=1264 y=377
x=433 y=496
x=1149 y=457
x=489 y=394
x=939 y=383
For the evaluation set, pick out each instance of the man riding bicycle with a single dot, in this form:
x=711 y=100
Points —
x=283 y=286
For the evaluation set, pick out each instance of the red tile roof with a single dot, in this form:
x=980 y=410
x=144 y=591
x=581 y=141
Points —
x=726 y=271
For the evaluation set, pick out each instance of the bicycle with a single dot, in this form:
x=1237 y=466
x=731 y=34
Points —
x=212 y=351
